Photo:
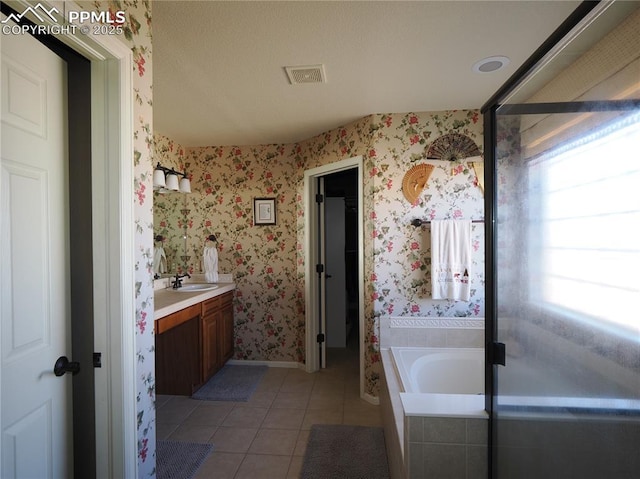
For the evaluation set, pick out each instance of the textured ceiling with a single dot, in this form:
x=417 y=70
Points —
x=218 y=67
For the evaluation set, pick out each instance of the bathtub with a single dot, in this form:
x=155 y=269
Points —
x=433 y=400
x=440 y=370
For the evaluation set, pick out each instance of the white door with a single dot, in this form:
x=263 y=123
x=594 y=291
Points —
x=36 y=417
x=336 y=272
x=322 y=280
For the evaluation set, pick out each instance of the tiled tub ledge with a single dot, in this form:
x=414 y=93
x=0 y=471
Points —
x=440 y=332
x=432 y=434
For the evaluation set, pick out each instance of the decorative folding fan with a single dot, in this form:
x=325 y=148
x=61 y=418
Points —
x=451 y=147
x=478 y=167
x=415 y=180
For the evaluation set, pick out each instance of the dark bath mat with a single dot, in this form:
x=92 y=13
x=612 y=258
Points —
x=231 y=383
x=180 y=460
x=345 y=452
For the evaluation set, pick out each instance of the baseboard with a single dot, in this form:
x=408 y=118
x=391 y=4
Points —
x=271 y=364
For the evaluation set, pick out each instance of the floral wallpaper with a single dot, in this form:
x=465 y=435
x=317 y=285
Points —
x=269 y=300
x=401 y=252
x=267 y=262
x=137 y=35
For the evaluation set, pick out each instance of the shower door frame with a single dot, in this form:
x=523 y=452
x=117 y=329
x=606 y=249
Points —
x=494 y=351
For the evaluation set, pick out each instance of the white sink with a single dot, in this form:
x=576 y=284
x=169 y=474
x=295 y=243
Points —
x=195 y=287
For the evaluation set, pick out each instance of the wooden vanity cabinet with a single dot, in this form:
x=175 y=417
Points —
x=177 y=352
x=217 y=333
x=193 y=344
x=226 y=326
x=211 y=355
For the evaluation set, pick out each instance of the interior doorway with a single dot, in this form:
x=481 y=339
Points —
x=316 y=297
x=341 y=267
x=105 y=228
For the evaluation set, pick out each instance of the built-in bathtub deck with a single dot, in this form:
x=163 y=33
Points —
x=432 y=434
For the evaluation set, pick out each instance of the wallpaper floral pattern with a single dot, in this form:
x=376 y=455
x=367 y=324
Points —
x=137 y=35
x=267 y=262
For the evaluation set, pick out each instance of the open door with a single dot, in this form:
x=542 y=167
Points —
x=35 y=283
x=335 y=274
x=321 y=270
x=316 y=291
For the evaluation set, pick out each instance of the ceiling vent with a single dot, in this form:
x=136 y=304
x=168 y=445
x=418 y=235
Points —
x=306 y=74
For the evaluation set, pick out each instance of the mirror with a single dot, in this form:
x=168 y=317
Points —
x=170 y=224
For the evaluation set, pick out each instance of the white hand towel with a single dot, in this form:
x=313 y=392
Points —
x=450 y=259
x=210 y=262
x=159 y=260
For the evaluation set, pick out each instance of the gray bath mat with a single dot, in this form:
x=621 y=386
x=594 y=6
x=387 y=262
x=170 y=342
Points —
x=180 y=460
x=231 y=383
x=345 y=452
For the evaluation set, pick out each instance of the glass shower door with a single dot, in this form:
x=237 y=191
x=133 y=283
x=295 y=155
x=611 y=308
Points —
x=566 y=247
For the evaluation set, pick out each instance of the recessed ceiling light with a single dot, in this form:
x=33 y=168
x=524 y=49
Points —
x=491 y=64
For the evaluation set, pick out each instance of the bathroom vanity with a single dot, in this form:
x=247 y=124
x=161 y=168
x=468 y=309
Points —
x=194 y=336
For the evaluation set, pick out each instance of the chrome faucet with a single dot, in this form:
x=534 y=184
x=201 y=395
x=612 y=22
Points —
x=178 y=281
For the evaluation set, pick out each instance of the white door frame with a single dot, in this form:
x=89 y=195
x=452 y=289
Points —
x=312 y=358
x=113 y=243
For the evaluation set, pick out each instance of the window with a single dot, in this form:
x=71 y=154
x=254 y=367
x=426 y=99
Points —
x=585 y=247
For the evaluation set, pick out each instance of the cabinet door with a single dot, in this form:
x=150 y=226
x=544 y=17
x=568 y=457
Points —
x=226 y=324
x=211 y=357
x=177 y=355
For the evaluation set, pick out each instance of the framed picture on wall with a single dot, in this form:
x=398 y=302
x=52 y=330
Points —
x=264 y=211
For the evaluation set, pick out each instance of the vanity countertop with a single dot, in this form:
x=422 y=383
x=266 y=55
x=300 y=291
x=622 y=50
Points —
x=168 y=301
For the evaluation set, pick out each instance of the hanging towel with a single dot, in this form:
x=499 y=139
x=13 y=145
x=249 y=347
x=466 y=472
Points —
x=159 y=260
x=450 y=259
x=210 y=262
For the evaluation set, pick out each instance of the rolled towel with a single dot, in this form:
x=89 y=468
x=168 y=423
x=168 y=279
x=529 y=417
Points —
x=210 y=262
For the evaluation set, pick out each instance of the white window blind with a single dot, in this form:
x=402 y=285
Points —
x=585 y=227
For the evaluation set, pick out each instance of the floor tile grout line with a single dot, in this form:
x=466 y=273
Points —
x=292 y=382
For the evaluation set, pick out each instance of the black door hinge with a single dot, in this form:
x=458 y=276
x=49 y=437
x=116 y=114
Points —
x=499 y=353
x=319 y=268
x=320 y=338
x=319 y=198
x=97 y=360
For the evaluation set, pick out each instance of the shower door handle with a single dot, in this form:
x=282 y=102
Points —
x=499 y=353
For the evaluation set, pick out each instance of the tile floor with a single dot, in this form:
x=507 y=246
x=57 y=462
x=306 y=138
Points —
x=266 y=437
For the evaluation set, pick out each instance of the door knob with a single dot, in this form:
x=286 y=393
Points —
x=63 y=365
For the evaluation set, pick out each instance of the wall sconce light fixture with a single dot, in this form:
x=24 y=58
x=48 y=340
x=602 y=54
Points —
x=167 y=179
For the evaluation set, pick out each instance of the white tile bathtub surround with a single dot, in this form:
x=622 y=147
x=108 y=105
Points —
x=432 y=332
x=447 y=447
x=440 y=322
x=392 y=420
x=421 y=445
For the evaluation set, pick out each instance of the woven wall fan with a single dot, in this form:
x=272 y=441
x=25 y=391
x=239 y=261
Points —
x=415 y=180
x=452 y=147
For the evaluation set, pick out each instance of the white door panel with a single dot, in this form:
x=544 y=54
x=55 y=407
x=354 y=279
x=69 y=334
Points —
x=336 y=273
x=323 y=279
x=36 y=405
x=26 y=106
x=26 y=327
